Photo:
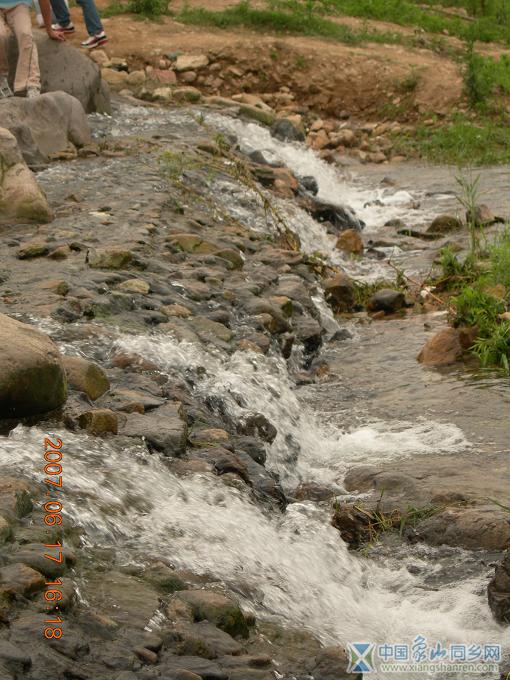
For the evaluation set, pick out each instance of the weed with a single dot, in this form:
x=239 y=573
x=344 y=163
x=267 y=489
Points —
x=494 y=349
x=150 y=9
x=410 y=83
x=475 y=307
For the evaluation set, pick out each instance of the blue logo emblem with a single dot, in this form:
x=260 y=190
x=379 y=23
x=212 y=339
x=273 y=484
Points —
x=361 y=657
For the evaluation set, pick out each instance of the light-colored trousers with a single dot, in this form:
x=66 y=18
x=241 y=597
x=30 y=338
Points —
x=17 y=19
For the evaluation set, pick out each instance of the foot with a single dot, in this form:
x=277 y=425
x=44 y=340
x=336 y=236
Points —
x=95 y=41
x=33 y=92
x=5 y=90
x=59 y=28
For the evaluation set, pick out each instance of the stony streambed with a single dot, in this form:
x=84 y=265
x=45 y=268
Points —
x=200 y=477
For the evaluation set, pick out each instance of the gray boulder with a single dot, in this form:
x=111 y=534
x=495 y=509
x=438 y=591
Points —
x=386 y=300
x=45 y=125
x=65 y=68
x=20 y=195
x=32 y=377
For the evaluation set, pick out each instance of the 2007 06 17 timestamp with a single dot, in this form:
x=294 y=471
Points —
x=53 y=468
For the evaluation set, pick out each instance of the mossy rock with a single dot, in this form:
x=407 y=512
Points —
x=85 y=376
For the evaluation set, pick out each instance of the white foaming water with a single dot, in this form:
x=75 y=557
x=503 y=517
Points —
x=293 y=567
x=374 y=205
x=305 y=449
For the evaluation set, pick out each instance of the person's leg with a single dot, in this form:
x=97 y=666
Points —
x=27 y=70
x=4 y=37
x=61 y=12
x=91 y=16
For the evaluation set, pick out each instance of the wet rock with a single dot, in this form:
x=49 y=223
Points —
x=257 y=425
x=188 y=667
x=20 y=579
x=253 y=447
x=15 y=498
x=260 y=115
x=339 y=292
x=176 y=310
x=331 y=664
x=339 y=217
x=480 y=527
x=20 y=195
x=191 y=243
x=313 y=492
x=444 y=224
x=310 y=184
x=482 y=216
x=109 y=258
x=99 y=421
x=233 y=256
x=129 y=601
x=206 y=328
x=85 y=376
x=287 y=131
x=204 y=639
x=499 y=591
x=14 y=659
x=350 y=241
x=443 y=349
x=165 y=428
x=32 y=249
x=212 y=606
x=32 y=376
x=32 y=554
x=386 y=300
x=164 y=578
x=134 y=286
x=309 y=332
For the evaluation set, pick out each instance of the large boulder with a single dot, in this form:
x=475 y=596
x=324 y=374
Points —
x=20 y=196
x=442 y=349
x=65 y=68
x=49 y=123
x=32 y=378
x=499 y=591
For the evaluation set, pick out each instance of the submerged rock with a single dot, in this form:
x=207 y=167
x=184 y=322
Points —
x=499 y=591
x=287 y=131
x=350 y=242
x=86 y=377
x=444 y=224
x=386 y=300
x=212 y=606
x=32 y=376
x=443 y=349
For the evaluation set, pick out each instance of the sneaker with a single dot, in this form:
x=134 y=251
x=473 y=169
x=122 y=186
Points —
x=95 y=41
x=58 y=28
x=5 y=90
x=33 y=92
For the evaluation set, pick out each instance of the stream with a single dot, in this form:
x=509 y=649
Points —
x=378 y=406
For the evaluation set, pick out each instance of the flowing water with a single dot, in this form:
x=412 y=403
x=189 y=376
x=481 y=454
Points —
x=290 y=566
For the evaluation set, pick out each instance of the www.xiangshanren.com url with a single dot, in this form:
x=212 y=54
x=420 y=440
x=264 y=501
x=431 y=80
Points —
x=439 y=668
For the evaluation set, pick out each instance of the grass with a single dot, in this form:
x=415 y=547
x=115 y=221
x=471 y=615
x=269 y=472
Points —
x=286 y=20
x=149 y=9
x=461 y=141
x=483 y=295
x=485 y=28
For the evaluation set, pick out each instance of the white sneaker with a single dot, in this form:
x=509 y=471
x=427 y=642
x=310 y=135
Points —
x=33 y=92
x=5 y=90
x=95 y=41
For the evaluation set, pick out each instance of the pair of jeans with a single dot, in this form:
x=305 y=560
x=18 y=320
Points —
x=90 y=14
x=17 y=19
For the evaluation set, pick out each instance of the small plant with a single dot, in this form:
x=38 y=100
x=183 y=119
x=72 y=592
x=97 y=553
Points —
x=475 y=307
x=469 y=198
x=410 y=83
x=494 y=350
